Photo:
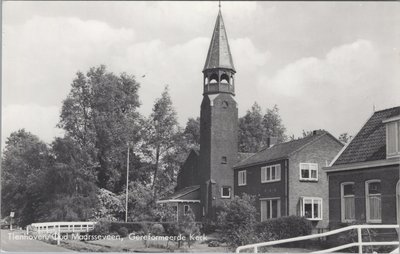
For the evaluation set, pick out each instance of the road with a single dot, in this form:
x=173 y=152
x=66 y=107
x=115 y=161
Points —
x=11 y=243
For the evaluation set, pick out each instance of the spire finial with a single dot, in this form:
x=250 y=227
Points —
x=219 y=4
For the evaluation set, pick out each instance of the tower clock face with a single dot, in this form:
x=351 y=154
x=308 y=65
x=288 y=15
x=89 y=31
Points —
x=225 y=104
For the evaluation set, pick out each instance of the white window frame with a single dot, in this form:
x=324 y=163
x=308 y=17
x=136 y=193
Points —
x=313 y=199
x=309 y=171
x=222 y=192
x=184 y=209
x=264 y=171
x=242 y=178
x=342 y=202
x=396 y=137
x=278 y=213
x=367 y=204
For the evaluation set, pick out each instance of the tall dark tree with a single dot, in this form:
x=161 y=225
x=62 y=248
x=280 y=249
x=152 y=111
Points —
x=100 y=114
x=162 y=129
x=71 y=188
x=255 y=128
x=25 y=163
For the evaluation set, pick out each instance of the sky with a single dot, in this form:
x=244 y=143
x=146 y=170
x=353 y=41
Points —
x=326 y=65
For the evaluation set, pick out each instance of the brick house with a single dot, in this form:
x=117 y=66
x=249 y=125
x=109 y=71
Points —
x=364 y=178
x=287 y=178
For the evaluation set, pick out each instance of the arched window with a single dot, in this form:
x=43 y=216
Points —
x=214 y=78
x=224 y=79
x=205 y=80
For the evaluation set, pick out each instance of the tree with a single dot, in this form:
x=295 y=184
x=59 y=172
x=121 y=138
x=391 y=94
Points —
x=345 y=138
x=237 y=219
x=162 y=129
x=192 y=133
x=71 y=183
x=100 y=114
x=25 y=163
x=255 y=128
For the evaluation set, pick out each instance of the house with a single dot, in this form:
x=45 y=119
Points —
x=287 y=178
x=364 y=178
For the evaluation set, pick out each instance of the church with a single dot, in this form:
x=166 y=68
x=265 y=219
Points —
x=218 y=172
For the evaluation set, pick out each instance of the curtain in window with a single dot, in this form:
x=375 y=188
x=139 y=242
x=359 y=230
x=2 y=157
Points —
x=375 y=207
x=349 y=208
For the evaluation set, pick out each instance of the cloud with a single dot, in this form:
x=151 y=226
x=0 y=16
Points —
x=38 y=120
x=335 y=89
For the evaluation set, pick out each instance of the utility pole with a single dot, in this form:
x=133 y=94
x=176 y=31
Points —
x=127 y=188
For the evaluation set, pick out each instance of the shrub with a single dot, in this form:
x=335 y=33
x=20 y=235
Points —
x=237 y=220
x=123 y=231
x=208 y=226
x=102 y=227
x=157 y=229
x=130 y=226
x=283 y=228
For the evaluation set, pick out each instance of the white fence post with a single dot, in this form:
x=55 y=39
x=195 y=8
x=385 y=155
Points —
x=255 y=249
x=359 y=233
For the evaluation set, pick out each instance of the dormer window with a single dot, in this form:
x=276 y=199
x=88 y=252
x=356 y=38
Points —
x=392 y=137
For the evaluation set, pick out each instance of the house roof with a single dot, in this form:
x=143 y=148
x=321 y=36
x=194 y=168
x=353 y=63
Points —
x=280 y=151
x=370 y=142
x=243 y=156
x=181 y=193
x=219 y=54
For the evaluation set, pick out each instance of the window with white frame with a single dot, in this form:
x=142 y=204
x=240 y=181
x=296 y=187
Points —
x=373 y=201
x=242 y=178
x=270 y=208
x=393 y=138
x=311 y=208
x=347 y=202
x=226 y=192
x=309 y=171
x=175 y=209
x=186 y=209
x=271 y=173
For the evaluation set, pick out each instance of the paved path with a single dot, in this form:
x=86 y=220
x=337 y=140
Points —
x=9 y=243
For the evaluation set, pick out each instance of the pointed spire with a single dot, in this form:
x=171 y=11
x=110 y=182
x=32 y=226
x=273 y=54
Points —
x=219 y=53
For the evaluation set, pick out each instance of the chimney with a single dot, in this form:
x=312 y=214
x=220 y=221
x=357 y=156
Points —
x=271 y=141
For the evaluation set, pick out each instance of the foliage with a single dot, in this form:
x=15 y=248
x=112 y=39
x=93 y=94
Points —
x=100 y=114
x=123 y=231
x=102 y=227
x=237 y=219
x=25 y=162
x=111 y=207
x=141 y=204
x=255 y=128
x=283 y=228
x=161 y=133
x=345 y=138
x=70 y=187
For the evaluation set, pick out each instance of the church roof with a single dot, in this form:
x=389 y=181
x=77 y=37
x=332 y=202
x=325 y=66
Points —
x=219 y=53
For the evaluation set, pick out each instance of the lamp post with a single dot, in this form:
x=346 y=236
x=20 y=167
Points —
x=127 y=187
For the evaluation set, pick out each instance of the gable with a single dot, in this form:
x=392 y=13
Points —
x=370 y=142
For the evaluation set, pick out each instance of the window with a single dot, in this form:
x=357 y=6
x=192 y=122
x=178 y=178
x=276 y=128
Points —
x=311 y=208
x=309 y=171
x=226 y=192
x=373 y=200
x=270 y=208
x=393 y=138
x=223 y=160
x=186 y=209
x=347 y=202
x=175 y=209
x=242 y=178
x=271 y=173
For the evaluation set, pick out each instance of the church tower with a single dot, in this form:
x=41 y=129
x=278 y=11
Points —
x=218 y=123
